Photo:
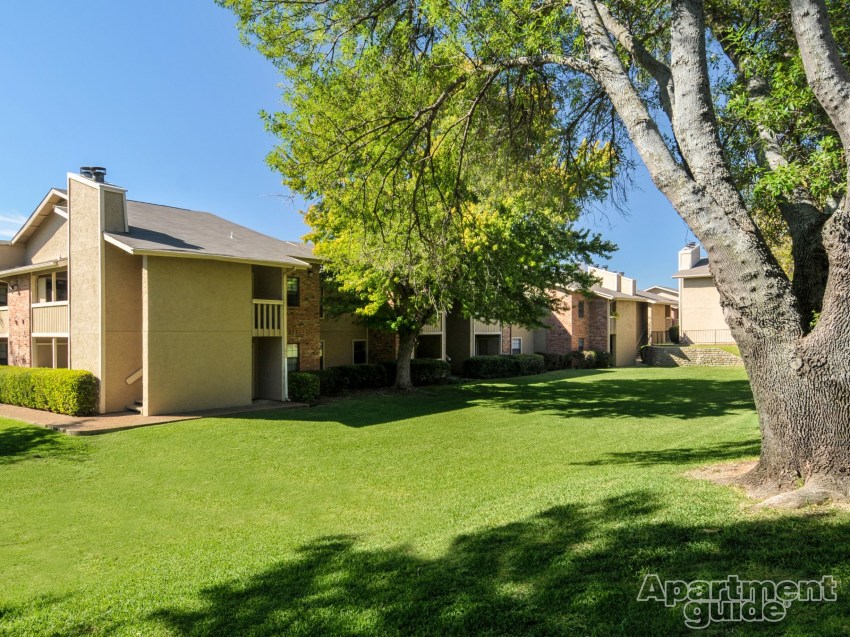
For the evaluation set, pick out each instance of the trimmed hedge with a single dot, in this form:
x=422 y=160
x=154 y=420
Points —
x=335 y=380
x=62 y=391
x=503 y=366
x=576 y=360
x=428 y=371
x=303 y=387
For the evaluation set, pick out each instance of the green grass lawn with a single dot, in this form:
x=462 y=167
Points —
x=530 y=506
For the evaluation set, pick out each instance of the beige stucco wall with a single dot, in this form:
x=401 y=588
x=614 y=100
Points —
x=49 y=242
x=11 y=256
x=114 y=212
x=659 y=323
x=122 y=327
x=197 y=334
x=338 y=335
x=85 y=280
x=527 y=337
x=626 y=341
x=699 y=306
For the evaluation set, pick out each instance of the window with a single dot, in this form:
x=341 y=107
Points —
x=668 y=311
x=613 y=306
x=321 y=354
x=581 y=343
x=4 y=352
x=50 y=288
x=4 y=295
x=359 y=352
x=292 y=357
x=61 y=286
x=293 y=292
x=516 y=346
x=581 y=309
x=44 y=288
x=50 y=352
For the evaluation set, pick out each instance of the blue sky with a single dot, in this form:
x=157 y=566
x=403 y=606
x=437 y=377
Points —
x=164 y=95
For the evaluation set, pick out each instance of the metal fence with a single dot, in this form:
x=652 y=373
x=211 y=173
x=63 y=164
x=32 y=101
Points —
x=708 y=337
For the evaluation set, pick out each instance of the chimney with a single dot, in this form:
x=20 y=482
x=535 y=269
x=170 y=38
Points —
x=97 y=173
x=689 y=256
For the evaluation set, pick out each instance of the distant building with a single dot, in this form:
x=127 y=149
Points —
x=701 y=318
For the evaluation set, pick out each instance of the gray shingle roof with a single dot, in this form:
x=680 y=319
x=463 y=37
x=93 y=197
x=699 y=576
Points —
x=656 y=298
x=700 y=269
x=181 y=232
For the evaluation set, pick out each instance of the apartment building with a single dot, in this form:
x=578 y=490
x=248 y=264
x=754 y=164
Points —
x=701 y=318
x=173 y=310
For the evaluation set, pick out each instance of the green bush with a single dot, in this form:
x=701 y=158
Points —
x=62 y=391
x=673 y=332
x=552 y=361
x=428 y=371
x=503 y=366
x=303 y=387
x=602 y=359
x=331 y=381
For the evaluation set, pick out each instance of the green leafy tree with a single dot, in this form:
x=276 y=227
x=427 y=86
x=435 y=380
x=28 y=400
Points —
x=739 y=109
x=405 y=234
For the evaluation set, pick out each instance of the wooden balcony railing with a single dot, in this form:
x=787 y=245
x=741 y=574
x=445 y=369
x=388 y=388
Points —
x=50 y=318
x=436 y=327
x=483 y=327
x=268 y=318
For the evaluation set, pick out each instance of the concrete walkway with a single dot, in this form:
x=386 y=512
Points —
x=93 y=425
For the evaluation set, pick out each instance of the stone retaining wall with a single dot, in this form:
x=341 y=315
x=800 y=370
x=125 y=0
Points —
x=689 y=356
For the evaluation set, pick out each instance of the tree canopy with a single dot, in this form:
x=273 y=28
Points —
x=739 y=109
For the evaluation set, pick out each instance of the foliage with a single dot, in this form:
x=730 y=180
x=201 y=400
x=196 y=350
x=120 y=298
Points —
x=466 y=203
x=602 y=360
x=428 y=371
x=503 y=366
x=673 y=333
x=303 y=387
x=62 y=391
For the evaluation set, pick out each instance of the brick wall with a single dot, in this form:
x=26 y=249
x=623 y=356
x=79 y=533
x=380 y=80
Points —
x=597 y=325
x=303 y=321
x=506 y=339
x=689 y=357
x=559 y=324
x=20 y=334
x=383 y=346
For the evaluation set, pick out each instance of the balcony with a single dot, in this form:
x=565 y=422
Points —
x=436 y=327
x=50 y=319
x=268 y=318
x=483 y=327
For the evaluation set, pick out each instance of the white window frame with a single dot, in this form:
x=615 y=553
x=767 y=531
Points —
x=297 y=346
x=519 y=340
x=34 y=288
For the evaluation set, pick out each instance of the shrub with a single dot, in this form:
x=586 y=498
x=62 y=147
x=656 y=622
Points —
x=362 y=376
x=603 y=359
x=673 y=332
x=303 y=387
x=552 y=361
x=575 y=360
x=589 y=360
x=427 y=371
x=331 y=381
x=503 y=366
x=62 y=391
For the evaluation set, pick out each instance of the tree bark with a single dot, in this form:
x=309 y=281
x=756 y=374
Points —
x=406 y=343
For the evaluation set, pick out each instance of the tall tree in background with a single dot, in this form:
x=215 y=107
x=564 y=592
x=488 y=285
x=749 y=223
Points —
x=740 y=111
x=406 y=234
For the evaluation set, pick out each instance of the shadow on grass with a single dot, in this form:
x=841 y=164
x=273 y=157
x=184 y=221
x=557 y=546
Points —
x=570 y=394
x=681 y=455
x=567 y=571
x=26 y=442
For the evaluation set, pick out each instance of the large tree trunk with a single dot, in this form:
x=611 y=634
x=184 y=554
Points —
x=407 y=340
x=803 y=403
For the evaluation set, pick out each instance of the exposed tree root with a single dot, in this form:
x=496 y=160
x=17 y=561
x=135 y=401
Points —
x=774 y=493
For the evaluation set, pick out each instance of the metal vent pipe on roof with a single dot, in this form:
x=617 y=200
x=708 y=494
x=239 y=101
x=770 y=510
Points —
x=98 y=173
